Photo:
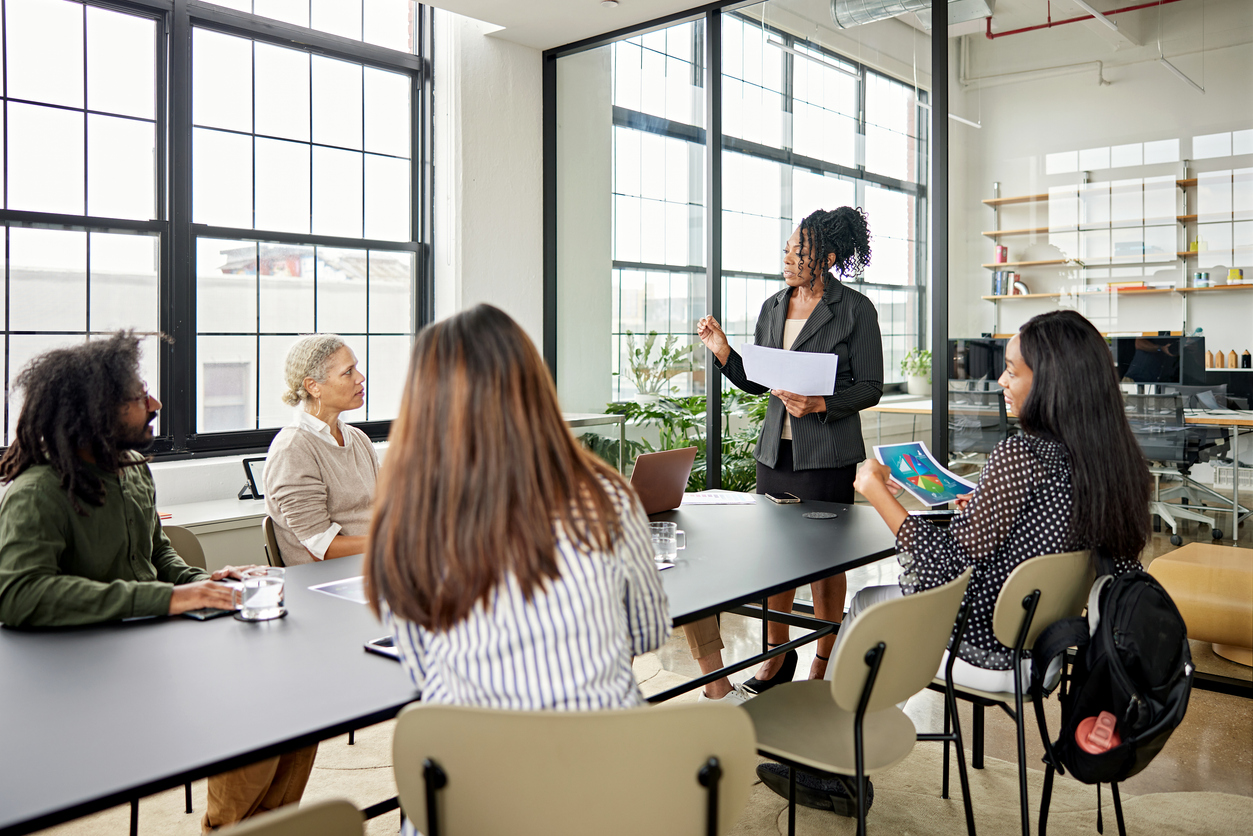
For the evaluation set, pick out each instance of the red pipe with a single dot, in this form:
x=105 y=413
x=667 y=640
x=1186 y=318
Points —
x=1051 y=23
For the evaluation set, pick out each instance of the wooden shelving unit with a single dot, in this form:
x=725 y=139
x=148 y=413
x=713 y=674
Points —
x=1001 y=233
x=1137 y=291
x=1025 y=263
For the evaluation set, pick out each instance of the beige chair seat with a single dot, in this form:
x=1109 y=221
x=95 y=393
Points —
x=323 y=818
x=1006 y=697
x=1213 y=588
x=827 y=742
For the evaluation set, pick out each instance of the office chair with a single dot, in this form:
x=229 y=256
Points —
x=1040 y=591
x=1158 y=424
x=324 y=818
x=850 y=725
x=186 y=544
x=668 y=770
x=272 y=555
x=977 y=420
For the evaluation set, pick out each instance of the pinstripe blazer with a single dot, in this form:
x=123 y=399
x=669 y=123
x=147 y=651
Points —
x=844 y=323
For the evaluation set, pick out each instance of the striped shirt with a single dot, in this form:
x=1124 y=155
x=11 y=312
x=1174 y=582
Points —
x=568 y=648
x=845 y=324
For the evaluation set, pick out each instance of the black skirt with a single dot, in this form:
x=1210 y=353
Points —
x=826 y=484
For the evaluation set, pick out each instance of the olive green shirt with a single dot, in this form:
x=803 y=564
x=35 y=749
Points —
x=59 y=568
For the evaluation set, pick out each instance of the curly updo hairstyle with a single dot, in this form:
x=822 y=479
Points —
x=307 y=358
x=842 y=232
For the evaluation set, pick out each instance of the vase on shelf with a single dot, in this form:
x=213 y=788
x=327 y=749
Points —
x=918 y=384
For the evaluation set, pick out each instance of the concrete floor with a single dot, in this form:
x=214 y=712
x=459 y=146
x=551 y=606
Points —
x=1211 y=751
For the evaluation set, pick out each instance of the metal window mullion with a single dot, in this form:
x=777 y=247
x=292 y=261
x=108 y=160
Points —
x=713 y=235
x=178 y=310
x=938 y=148
x=83 y=111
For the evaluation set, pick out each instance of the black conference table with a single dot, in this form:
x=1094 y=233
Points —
x=95 y=717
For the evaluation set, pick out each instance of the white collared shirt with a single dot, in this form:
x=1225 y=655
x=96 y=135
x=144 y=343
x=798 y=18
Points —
x=309 y=422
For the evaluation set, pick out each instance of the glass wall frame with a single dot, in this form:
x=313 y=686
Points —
x=172 y=368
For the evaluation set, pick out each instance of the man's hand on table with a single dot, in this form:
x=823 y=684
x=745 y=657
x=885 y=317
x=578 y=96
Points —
x=201 y=594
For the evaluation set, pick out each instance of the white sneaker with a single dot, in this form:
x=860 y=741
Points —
x=738 y=695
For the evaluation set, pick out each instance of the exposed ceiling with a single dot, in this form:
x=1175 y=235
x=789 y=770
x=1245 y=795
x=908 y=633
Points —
x=544 y=24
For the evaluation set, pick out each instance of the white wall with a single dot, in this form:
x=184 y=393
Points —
x=1025 y=118
x=488 y=173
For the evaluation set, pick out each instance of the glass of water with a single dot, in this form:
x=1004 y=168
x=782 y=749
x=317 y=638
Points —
x=261 y=595
x=665 y=537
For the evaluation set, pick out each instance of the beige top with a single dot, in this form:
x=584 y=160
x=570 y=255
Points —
x=791 y=330
x=315 y=490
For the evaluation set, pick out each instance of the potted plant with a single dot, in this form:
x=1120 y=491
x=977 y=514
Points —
x=651 y=374
x=917 y=370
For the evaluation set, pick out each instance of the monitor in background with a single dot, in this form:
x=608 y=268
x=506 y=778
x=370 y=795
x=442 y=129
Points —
x=976 y=359
x=1160 y=360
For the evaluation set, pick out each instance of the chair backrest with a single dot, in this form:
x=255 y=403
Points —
x=272 y=554
x=1064 y=581
x=323 y=818
x=625 y=771
x=977 y=418
x=1158 y=425
x=186 y=544
x=915 y=630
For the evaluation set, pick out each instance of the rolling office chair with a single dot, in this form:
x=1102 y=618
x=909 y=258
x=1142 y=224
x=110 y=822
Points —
x=1172 y=448
x=272 y=555
x=977 y=420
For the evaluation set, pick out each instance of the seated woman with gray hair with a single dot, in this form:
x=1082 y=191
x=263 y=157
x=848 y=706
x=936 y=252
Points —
x=320 y=472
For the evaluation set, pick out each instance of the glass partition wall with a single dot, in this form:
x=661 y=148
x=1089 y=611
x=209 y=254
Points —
x=812 y=117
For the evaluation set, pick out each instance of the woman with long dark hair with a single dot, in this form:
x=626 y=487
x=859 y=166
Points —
x=514 y=568
x=809 y=445
x=1074 y=479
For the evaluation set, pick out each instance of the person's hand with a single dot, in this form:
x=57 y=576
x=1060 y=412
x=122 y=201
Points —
x=872 y=476
x=798 y=406
x=712 y=335
x=194 y=596
x=962 y=501
x=234 y=572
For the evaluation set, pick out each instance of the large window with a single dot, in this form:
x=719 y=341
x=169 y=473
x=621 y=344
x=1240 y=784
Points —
x=804 y=128
x=233 y=175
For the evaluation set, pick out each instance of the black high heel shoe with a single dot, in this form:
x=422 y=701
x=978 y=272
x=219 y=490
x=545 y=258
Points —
x=784 y=674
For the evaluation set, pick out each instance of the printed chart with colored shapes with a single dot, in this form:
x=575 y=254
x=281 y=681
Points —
x=916 y=470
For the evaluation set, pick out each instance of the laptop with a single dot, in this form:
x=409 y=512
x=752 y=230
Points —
x=659 y=478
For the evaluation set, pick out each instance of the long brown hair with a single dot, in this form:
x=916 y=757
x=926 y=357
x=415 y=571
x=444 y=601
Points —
x=480 y=472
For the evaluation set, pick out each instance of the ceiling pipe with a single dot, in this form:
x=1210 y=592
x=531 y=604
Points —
x=1051 y=23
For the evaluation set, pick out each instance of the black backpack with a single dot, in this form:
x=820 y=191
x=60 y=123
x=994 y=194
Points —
x=1133 y=661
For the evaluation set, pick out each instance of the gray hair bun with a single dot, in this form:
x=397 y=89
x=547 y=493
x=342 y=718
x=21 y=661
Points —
x=307 y=358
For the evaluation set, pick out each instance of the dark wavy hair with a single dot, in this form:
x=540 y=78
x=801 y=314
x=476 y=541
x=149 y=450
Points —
x=1075 y=399
x=843 y=233
x=481 y=476
x=73 y=403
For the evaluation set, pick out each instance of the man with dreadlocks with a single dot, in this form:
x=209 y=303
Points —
x=80 y=537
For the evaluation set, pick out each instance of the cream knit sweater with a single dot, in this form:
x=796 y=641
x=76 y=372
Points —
x=311 y=485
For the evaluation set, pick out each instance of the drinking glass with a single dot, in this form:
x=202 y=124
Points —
x=261 y=595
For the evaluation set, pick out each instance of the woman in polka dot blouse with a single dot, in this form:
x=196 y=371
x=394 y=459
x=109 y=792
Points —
x=1074 y=479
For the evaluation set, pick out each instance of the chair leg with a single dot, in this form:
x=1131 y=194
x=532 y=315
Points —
x=944 y=782
x=976 y=747
x=1022 y=765
x=352 y=737
x=861 y=803
x=1122 y=826
x=1045 y=797
x=967 y=803
x=187 y=794
x=134 y=817
x=791 y=801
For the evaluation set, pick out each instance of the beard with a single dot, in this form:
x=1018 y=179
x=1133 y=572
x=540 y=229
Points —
x=137 y=438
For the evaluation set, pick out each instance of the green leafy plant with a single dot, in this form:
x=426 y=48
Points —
x=651 y=374
x=680 y=422
x=917 y=363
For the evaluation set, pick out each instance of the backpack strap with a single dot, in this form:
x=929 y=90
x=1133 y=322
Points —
x=1048 y=657
x=1094 y=603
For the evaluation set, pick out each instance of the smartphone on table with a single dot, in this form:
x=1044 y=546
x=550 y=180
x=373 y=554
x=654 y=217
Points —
x=783 y=498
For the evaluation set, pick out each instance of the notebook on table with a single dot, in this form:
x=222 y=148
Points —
x=659 y=478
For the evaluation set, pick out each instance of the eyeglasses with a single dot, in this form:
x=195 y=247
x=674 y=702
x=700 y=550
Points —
x=141 y=398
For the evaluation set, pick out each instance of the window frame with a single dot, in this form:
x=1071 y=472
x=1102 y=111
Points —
x=176 y=437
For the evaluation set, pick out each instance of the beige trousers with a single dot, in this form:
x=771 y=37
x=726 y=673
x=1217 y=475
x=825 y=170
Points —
x=703 y=637
x=257 y=788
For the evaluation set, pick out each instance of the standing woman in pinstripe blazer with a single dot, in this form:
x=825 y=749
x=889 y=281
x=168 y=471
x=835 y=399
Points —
x=810 y=446
x=514 y=568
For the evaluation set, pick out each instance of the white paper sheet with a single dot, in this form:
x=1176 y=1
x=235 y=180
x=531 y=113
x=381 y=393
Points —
x=799 y=372
x=350 y=589
x=718 y=498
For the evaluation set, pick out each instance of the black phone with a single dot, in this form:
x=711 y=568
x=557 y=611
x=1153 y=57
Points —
x=206 y=613
x=383 y=646
x=783 y=498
